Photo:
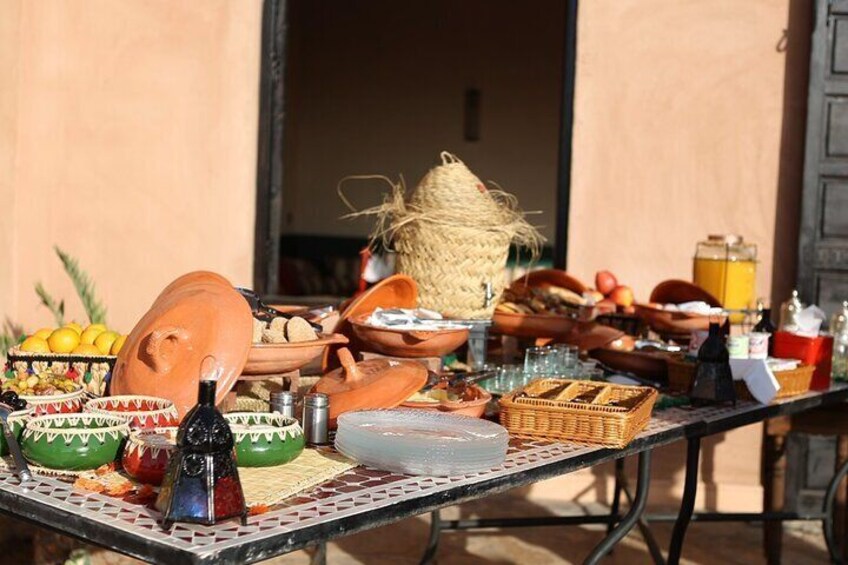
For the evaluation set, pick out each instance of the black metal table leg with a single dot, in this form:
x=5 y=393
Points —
x=828 y=510
x=687 y=505
x=643 y=482
x=616 y=495
x=433 y=542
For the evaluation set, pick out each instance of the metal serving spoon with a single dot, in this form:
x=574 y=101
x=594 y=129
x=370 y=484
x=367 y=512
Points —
x=21 y=467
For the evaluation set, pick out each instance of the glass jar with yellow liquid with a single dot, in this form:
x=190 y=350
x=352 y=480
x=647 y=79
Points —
x=726 y=267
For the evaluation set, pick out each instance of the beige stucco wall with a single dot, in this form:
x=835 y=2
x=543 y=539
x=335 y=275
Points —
x=680 y=114
x=128 y=137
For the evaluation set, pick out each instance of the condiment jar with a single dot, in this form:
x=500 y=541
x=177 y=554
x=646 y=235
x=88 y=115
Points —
x=726 y=267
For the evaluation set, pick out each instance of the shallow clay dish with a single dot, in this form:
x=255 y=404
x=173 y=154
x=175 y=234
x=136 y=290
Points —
x=549 y=277
x=65 y=403
x=139 y=411
x=648 y=364
x=396 y=291
x=408 y=343
x=533 y=325
x=73 y=442
x=265 y=439
x=198 y=315
x=375 y=383
x=472 y=402
x=279 y=358
x=675 y=324
x=147 y=453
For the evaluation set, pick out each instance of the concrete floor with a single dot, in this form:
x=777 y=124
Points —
x=403 y=542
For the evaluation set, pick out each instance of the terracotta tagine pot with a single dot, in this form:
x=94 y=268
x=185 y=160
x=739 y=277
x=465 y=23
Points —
x=197 y=315
x=375 y=383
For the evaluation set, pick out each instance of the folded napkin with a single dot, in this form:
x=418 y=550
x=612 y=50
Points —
x=758 y=376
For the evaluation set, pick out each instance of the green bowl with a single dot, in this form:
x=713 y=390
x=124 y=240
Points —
x=17 y=421
x=74 y=442
x=265 y=439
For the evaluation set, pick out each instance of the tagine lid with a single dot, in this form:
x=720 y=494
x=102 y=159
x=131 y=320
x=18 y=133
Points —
x=374 y=383
x=198 y=315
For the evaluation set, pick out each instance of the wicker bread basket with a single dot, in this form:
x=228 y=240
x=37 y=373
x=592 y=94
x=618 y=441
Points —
x=681 y=374
x=612 y=418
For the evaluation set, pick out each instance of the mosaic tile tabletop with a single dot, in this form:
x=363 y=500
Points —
x=356 y=499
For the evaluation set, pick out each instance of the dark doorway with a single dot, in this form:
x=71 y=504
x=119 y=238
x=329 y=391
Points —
x=380 y=87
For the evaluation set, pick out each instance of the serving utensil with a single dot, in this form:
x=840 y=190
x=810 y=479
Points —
x=21 y=467
x=264 y=312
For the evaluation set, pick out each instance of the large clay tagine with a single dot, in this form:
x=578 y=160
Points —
x=375 y=383
x=197 y=315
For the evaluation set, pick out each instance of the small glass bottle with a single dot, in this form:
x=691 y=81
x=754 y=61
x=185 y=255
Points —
x=789 y=311
x=839 y=330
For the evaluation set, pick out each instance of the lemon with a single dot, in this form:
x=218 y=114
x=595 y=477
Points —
x=63 y=340
x=43 y=333
x=101 y=327
x=35 y=344
x=90 y=334
x=104 y=341
x=74 y=326
x=119 y=343
x=86 y=349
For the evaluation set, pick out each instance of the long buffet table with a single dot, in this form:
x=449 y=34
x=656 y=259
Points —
x=365 y=498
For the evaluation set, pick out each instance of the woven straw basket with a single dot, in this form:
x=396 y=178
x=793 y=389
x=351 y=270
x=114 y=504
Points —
x=452 y=235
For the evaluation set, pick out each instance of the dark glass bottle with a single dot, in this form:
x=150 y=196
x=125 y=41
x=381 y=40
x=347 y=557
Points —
x=202 y=483
x=713 y=382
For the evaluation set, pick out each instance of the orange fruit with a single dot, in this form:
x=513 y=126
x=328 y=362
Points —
x=90 y=334
x=119 y=343
x=86 y=349
x=35 y=344
x=43 y=333
x=63 y=340
x=74 y=326
x=104 y=341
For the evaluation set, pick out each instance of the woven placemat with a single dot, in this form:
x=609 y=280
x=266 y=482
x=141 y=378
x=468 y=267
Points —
x=263 y=486
x=272 y=485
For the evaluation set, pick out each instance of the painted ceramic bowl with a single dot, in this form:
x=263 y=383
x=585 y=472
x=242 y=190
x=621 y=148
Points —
x=65 y=403
x=148 y=452
x=74 y=442
x=17 y=422
x=265 y=439
x=140 y=411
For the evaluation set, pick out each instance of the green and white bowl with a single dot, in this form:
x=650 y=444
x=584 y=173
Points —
x=74 y=442
x=265 y=439
x=17 y=422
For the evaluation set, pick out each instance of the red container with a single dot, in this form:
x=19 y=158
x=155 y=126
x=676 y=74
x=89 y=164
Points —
x=816 y=351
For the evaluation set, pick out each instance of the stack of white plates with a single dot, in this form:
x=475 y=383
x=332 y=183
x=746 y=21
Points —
x=419 y=442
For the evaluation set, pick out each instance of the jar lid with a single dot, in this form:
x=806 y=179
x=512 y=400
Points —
x=726 y=239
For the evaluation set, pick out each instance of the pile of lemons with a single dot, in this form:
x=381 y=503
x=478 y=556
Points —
x=95 y=339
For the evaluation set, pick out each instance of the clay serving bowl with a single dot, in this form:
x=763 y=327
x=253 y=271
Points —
x=147 y=453
x=65 y=403
x=675 y=291
x=472 y=402
x=533 y=325
x=647 y=364
x=140 y=411
x=670 y=322
x=279 y=358
x=17 y=421
x=408 y=343
x=74 y=442
x=265 y=439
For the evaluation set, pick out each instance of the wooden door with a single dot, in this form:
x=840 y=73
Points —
x=823 y=261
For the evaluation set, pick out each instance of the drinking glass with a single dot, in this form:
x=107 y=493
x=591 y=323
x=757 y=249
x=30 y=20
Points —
x=538 y=361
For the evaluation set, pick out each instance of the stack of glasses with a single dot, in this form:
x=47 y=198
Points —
x=558 y=360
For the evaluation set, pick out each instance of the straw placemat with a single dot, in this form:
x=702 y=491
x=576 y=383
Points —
x=272 y=485
x=263 y=486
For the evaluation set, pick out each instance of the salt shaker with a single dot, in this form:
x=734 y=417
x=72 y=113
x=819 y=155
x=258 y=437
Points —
x=316 y=419
x=283 y=402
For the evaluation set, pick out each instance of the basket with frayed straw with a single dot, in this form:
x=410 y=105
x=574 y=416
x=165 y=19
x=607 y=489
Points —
x=452 y=235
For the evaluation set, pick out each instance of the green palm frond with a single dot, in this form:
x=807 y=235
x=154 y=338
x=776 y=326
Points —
x=94 y=309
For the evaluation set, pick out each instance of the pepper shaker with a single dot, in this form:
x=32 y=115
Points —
x=283 y=402
x=316 y=419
